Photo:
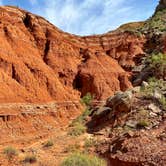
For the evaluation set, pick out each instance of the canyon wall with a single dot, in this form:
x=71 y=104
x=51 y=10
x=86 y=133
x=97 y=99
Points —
x=39 y=62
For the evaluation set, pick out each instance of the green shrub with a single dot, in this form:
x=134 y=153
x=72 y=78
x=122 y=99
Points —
x=30 y=159
x=78 y=159
x=143 y=112
x=78 y=125
x=143 y=123
x=150 y=89
x=77 y=129
x=82 y=118
x=157 y=63
x=49 y=143
x=163 y=102
x=10 y=152
x=87 y=99
x=156 y=23
x=90 y=142
x=153 y=84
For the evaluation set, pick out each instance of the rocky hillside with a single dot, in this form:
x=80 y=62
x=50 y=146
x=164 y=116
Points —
x=131 y=126
x=45 y=69
x=119 y=77
x=162 y=5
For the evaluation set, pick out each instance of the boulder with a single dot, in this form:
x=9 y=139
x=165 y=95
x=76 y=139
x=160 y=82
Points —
x=154 y=108
x=157 y=94
x=121 y=102
x=131 y=123
x=136 y=89
x=102 y=111
x=145 y=84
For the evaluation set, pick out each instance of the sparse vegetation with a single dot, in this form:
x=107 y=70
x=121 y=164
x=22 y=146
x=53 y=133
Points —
x=148 y=90
x=157 y=63
x=143 y=123
x=30 y=158
x=77 y=129
x=153 y=83
x=163 y=102
x=73 y=148
x=87 y=99
x=49 y=143
x=82 y=118
x=134 y=32
x=132 y=28
x=156 y=23
x=78 y=125
x=143 y=113
x=10 y=152
x=90 y=142
x=78 y=159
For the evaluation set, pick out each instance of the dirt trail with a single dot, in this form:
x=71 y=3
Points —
x=33 y=142
x=31 y=108
x=62 y=147
x=55 y=154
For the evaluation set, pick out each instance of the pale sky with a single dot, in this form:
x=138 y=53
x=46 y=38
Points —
x=85 y=17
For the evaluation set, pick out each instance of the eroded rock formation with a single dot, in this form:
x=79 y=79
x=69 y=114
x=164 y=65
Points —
x=39 y=62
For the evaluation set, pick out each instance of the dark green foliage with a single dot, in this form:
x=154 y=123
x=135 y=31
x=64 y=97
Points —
x=143 y=123
x=87 y=99
x=157 y=62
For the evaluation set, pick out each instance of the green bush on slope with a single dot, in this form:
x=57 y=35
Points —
x=78 y=159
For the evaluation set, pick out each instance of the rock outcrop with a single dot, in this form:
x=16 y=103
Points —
x=44 y=72
x=121 y=102
x=162 y=5
x=132 y=129
x=39 y=62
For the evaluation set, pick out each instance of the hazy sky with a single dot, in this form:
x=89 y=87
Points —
x=86 y=17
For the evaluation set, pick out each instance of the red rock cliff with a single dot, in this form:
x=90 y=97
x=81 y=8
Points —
x=39 y=62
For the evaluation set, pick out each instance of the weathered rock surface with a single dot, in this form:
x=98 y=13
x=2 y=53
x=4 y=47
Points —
x=112 y=112
x=162 y=5
x=133 y=130
x=39 y=62
x=141 y=149
x=121 y=102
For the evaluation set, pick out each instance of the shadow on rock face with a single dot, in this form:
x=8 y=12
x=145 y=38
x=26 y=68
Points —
x=112 y=111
